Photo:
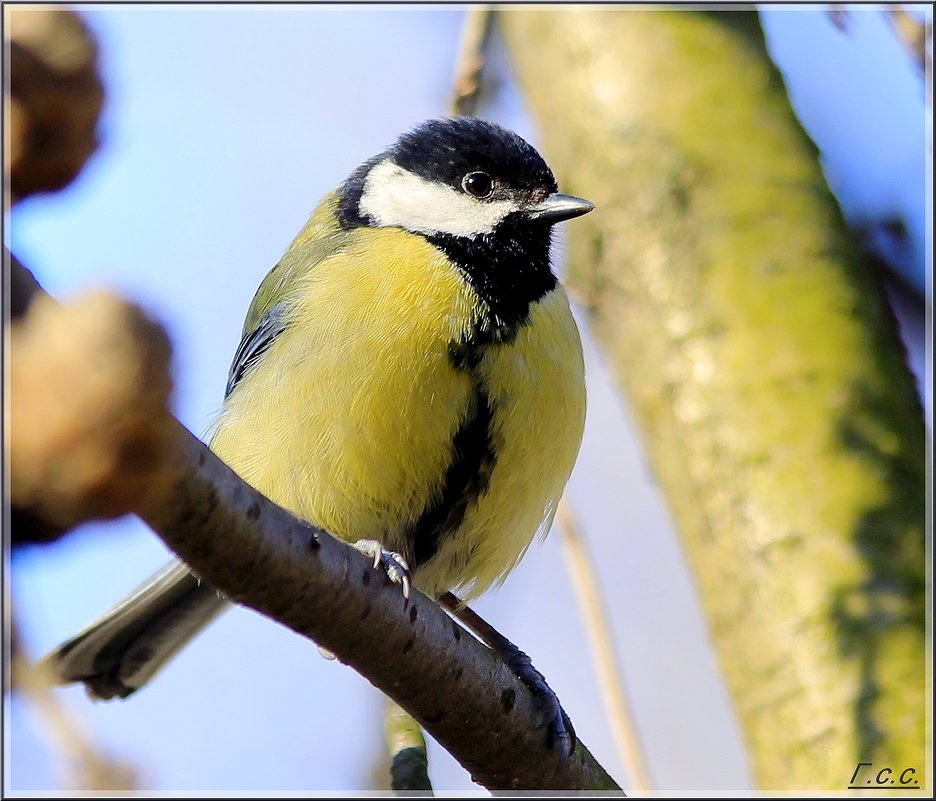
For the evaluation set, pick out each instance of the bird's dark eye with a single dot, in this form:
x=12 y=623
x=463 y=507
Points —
x=478 y=184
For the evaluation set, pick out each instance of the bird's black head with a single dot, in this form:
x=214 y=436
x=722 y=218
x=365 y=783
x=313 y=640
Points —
x=479 y=193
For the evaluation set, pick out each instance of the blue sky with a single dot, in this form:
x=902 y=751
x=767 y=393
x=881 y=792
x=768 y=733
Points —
x=223 y=128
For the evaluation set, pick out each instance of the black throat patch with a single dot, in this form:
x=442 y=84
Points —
x=509 y=268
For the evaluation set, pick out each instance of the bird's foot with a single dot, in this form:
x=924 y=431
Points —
x=393 y=564
x=560 y=732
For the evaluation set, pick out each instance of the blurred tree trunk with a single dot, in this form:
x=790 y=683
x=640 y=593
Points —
x=763 y=365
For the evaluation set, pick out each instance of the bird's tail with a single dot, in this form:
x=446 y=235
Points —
x=120 y=652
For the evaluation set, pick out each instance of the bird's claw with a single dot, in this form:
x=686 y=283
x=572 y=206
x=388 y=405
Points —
x=560 y=732
x=394 y=565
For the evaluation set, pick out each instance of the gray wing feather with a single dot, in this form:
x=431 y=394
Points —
x=253 y=345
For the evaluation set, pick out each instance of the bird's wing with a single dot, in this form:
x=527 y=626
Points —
x=320 y=238
x=254 y=343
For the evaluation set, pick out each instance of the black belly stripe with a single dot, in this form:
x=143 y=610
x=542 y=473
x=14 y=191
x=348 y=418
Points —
x=466 y=479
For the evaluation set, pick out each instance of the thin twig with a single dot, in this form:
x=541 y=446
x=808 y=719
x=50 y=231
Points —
x=409 y=765
x=467 y=79
x=610 y=675
x=916 y=36
x=913 y=34
x=86 y=767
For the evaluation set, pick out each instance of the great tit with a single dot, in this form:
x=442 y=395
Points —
x=409 y=373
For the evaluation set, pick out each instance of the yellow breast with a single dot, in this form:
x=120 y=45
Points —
x=349 y=418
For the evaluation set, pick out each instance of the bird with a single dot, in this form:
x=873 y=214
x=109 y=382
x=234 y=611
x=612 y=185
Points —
x=410 y=378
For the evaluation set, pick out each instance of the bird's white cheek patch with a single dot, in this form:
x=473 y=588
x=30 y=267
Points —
x=394 y=196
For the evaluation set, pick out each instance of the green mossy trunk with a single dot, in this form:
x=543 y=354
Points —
x=762 y=362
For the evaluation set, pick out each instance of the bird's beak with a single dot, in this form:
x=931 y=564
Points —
x=557 y=208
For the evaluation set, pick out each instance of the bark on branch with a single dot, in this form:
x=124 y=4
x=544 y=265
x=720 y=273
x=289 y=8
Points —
x=253 y=551
x=88 y=434
x=455 y=687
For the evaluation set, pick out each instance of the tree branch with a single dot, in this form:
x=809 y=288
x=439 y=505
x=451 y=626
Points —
x=265 y=558
x=94 y=438
x=762 y=361
x=476 y=31
x=54 y=99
